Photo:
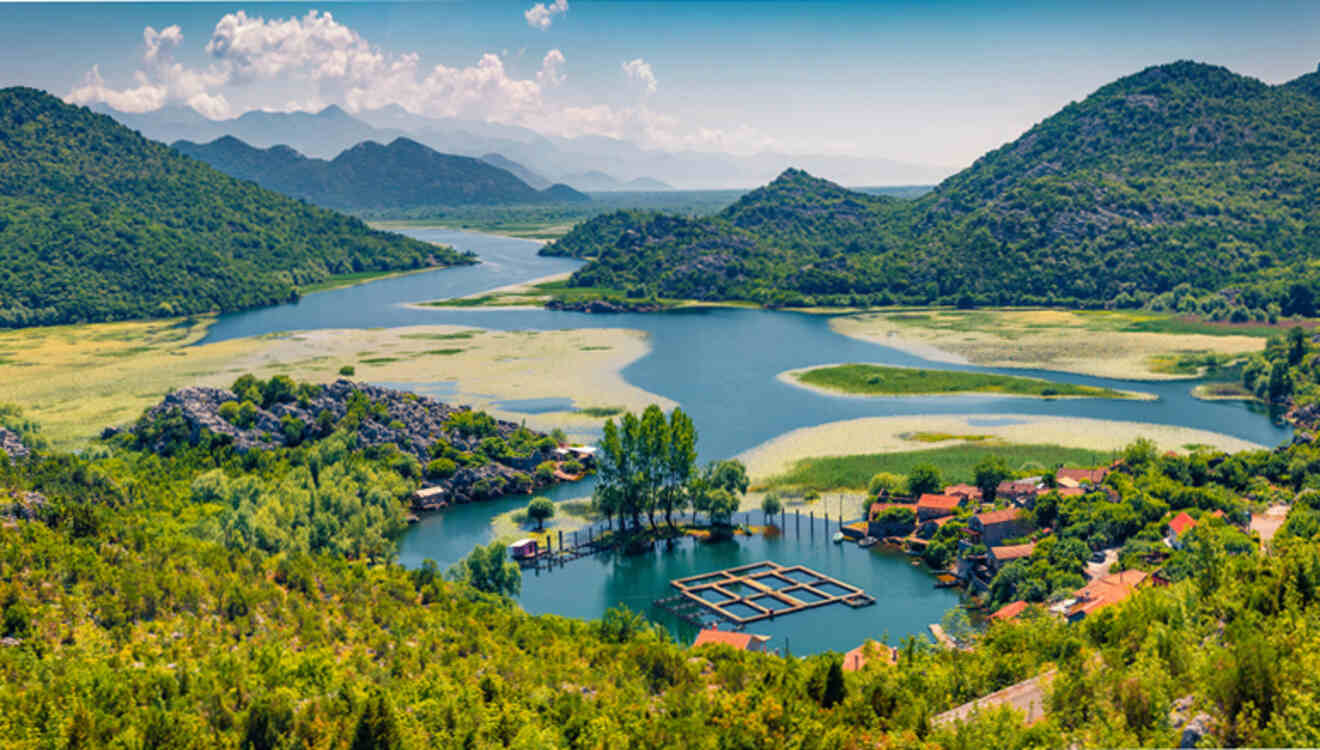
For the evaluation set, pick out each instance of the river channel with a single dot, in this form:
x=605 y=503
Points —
x=720 y=365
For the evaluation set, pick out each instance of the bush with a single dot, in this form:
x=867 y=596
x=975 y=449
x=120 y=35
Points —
x=347 y=370
x=229 y=412
x=441 y=468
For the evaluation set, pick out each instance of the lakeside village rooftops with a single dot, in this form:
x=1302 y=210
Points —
x=1100 y=593
x=1012 y=552
x=933 y=506
x=740 y=641
x=966 y=491
x=1009 y=611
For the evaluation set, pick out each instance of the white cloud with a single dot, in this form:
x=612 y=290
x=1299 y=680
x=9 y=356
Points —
x=550 y=73
x=161 y=81
x=540 y=16
x=309 y=62
x=640 y=70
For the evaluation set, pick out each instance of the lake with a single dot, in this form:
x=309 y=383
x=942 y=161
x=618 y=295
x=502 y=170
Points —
x=720 y=365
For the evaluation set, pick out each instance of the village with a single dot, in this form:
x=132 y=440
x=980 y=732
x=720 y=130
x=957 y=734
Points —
x=991 y=534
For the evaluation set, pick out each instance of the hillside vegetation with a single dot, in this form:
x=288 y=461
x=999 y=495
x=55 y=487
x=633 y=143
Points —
x=402 y=175
x=204 y=597
x=98 y=223
x=1184 y=186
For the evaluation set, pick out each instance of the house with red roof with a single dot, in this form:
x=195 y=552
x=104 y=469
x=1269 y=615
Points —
x=968 y=492
x=1009 y=611
x=1101 y=593
x=933 y=506
x=1001 y=556
x=869 y=653
x=993 y=527
x=1019 y=491
x=740 y=641
x=1178 y=528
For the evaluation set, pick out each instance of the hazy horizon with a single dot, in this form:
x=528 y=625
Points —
x=930 y=84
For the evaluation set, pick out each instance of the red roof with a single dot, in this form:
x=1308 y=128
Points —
x=856 y=659
x=1217 y=514
x=965 y=490
x=1013 y=551
x=1000 y=516
x=1182 y=523
x=742 y=641
x=1009 y=611
x=940 y=502
x=1105 y=591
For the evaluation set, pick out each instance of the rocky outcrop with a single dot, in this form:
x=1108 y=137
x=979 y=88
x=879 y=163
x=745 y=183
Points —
x=412 y=423
x=602 y=306
x=22 y=506
x=11 y=445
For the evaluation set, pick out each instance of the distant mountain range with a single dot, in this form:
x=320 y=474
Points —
x=599 y=181
x=331 y=131
x=98 y=223
x=402 y=175
x=1182 y=180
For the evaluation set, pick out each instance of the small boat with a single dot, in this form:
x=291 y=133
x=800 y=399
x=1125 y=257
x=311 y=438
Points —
x=867 y=541
x=838 y=537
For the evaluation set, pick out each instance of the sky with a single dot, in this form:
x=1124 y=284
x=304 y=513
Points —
x=936 y=82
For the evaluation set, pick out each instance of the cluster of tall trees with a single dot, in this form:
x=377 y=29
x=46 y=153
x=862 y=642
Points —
x=647 y=465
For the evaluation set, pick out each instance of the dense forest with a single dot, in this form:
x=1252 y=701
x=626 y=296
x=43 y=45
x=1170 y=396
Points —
x=202 y=596
x=371 y=177
x=98 y=223
x=1184 y=186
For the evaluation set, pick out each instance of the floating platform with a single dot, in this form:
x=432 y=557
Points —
x=763 y=590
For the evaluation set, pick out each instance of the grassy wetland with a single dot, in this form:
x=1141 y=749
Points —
x=76 y=380
x=1127 y=345
x=880 y=380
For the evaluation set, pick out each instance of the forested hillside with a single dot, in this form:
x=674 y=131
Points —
x=402 y=175
x=172 y=594
x=1183 y=174
x=98 y=223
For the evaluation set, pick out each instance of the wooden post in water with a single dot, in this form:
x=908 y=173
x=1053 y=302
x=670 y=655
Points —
x=561 y=541
x=812 y=522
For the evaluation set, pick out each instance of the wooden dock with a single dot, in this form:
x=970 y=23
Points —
x=759 y=591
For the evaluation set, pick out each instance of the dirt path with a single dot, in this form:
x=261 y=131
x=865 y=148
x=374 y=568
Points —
x=1027 y=696
x=1267 y=523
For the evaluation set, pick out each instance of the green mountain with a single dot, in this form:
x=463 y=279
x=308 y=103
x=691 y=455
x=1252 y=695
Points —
x=1181 y=174
x=371 y=177
x=97 y=223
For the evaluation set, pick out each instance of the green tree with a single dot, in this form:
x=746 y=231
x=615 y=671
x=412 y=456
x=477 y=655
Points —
x=377 y=727
x=988 y=474
x=925 y=478
x=489 y=569
x=679 y=465
x=540 y=509
x=886 y=483
x=835 y=689
x=771 y=506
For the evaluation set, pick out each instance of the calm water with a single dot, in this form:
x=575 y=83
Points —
x=720 y=365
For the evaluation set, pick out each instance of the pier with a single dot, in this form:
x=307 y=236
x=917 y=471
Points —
x=760 y=591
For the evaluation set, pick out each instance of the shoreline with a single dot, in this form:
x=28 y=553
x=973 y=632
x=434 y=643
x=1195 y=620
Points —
x=790 y=377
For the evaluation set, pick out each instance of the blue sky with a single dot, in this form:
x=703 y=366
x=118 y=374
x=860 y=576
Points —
x=931 y=82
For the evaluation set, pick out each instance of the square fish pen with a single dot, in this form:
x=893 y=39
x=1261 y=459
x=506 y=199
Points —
x=761 y=590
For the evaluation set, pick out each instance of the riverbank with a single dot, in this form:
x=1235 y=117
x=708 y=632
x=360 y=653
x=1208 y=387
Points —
x=76 y=380
x=872 y=435
x=855 y=379
x=1111 y=344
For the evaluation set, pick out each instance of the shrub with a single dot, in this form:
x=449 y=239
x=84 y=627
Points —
x=441 y=468
x=347 y=370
